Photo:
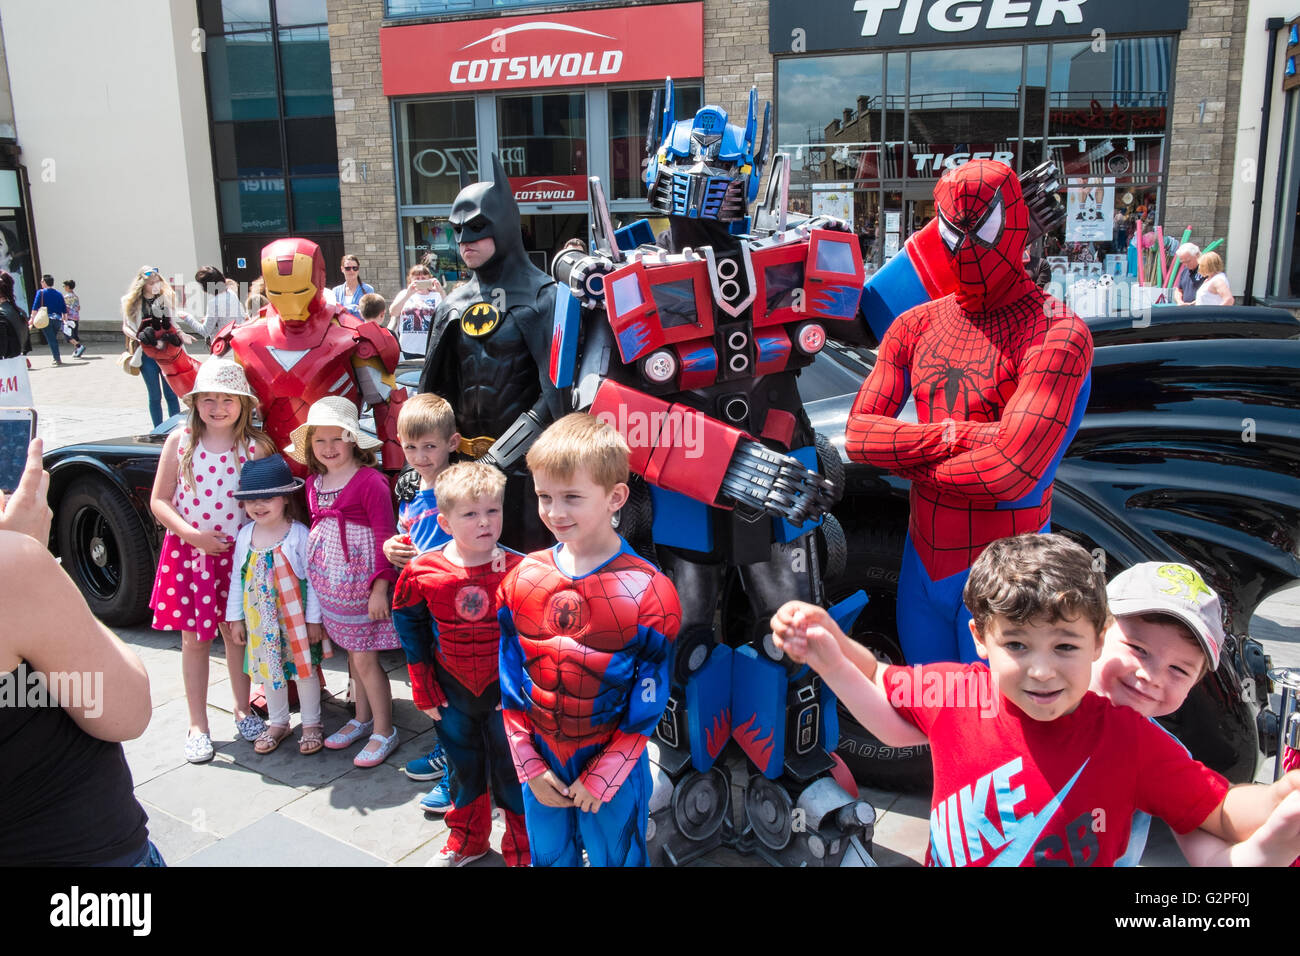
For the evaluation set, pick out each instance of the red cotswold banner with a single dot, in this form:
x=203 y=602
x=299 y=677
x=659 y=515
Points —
x=549 y=49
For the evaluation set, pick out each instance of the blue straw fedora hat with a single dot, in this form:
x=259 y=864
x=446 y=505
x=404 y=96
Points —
x=266 y=478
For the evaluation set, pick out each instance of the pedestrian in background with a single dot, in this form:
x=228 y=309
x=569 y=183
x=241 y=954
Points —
x=72 y=319
x=51 y=300
x=1189 y=281
x=1214 y=284
x=348 y=294
x=413 y=310
x=257 y=300
x=15 y=339
x=222 y=301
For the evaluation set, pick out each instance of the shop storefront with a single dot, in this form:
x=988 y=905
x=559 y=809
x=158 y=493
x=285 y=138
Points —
x=1283 y=276
x=876 y=99
x=560 y=98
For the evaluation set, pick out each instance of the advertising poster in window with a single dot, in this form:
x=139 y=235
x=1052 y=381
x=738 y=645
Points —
x=1089 y=210
x=833 y=199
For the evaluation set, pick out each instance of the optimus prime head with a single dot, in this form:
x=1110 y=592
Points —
x=294 y=272
x=984 y=224
x=487 y=210
x=704 y=168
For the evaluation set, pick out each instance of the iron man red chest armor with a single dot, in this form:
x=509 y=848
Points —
x=297 y=363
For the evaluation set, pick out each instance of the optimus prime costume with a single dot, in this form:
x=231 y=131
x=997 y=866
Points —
x=1001 y=376
x=305 y=349
x=490 y=347
x=691 y=352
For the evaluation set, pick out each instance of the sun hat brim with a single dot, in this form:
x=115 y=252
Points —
x=295 y=485
x=297 y=449
x=207 y=370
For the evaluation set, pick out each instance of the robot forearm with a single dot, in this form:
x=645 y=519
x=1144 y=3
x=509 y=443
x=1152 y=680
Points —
x=681 y=449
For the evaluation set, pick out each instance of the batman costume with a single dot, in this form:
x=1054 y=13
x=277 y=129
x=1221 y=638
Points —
x=489 y=351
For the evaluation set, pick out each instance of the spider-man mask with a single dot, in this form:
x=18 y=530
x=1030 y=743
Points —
x=984 y=225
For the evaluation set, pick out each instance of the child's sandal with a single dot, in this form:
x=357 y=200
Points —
x=270 y=739
x=312 y=740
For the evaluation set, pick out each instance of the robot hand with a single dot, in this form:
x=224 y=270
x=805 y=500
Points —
x=766 y=480
x=171 y=337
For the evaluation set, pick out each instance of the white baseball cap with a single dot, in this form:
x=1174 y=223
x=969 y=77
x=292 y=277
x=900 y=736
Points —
x=1157 y=587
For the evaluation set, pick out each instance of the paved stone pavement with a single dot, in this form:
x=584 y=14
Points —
x=320 y=810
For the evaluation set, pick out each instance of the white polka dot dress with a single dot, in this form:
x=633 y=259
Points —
x=189 y=591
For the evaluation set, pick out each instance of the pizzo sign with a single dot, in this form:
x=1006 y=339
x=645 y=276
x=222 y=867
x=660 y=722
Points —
x=561 y=49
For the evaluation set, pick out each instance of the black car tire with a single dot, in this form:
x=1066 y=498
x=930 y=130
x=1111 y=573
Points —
x=106 y=550
x=874 y=558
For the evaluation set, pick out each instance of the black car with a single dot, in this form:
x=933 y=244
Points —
x=1189 y=451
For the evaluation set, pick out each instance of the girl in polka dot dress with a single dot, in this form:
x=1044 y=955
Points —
x=193 y=498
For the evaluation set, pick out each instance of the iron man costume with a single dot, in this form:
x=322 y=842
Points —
x=304 y=349
x=1001 y=376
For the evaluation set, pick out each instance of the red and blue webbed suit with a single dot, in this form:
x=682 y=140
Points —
x=446 y=616
x=584 y=680
x=1001 y=374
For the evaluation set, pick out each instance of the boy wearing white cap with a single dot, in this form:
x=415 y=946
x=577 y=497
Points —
x=1165 y=635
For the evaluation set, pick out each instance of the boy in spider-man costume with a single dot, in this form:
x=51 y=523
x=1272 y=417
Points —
x=445 y=610
x=587 y=631
x=1001 y=375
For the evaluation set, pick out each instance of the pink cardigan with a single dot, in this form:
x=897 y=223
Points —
x=364 y=500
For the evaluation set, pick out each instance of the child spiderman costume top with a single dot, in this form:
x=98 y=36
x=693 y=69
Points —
x=1001 y=374
x=585 y=666
x=446 y=616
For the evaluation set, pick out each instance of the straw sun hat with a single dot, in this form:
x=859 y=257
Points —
x=219 y=375
x=329 y=411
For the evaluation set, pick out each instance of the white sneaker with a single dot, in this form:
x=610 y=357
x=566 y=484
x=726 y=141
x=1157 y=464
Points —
x=198 y=748
x=447 y=857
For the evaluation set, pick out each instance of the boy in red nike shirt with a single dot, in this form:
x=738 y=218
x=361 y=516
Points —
x=1030 y=768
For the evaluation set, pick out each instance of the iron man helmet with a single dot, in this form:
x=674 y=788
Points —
x=294 y=272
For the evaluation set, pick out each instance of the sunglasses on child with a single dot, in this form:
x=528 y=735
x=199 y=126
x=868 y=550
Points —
x=149 y=273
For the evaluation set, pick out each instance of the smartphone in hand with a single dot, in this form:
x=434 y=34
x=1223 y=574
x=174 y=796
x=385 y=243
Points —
x=17 y=429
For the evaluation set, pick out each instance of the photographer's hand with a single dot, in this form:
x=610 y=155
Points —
x=27 y=510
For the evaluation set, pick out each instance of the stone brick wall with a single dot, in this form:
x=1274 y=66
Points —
x=364 y=131
x=1202 y=146
x=736 y=58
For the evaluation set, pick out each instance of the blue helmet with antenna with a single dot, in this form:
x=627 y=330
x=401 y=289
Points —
x=704 y=167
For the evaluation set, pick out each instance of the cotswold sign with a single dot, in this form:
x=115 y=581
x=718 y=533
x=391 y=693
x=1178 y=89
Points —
x=550 y=49
x=806 y=26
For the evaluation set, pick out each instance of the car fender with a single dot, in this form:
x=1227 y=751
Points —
x=65 y=470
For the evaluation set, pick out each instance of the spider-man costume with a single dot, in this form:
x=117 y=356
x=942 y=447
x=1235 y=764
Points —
x=446 y=616
x=1001 y=375
x=304 y=349
x=584 y=680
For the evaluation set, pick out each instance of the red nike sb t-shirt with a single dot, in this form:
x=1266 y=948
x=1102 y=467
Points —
x=1013 y=791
